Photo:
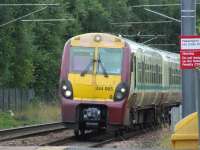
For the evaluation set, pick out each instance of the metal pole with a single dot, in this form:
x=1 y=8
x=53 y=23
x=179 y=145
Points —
x=197 y=96
x=188 y=27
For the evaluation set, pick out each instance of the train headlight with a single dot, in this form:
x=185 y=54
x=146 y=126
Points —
x=68 y=93
x=97 y=38
x=121 y=92
x=66 y=89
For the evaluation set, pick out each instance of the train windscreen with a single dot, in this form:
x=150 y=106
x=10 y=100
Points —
x=110 y=61
x=80 y=58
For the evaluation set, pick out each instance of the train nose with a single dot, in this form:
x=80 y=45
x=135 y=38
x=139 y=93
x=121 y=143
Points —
x=91 y=114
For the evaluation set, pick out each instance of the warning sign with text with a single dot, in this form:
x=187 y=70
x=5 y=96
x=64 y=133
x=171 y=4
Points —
x=190 y=52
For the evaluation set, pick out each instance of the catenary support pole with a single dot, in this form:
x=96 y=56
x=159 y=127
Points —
x=188 y=27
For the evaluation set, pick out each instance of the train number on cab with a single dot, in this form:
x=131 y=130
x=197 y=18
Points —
x=104 y=88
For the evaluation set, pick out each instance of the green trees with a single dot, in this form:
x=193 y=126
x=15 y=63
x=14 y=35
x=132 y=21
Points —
x=49 y=42
x=30 y=52
x=15 y=50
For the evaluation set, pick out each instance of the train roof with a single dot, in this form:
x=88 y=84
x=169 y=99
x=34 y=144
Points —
x=139 y=47
x=169 y=56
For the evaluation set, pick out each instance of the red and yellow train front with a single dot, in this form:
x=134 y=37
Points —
x=94 y=82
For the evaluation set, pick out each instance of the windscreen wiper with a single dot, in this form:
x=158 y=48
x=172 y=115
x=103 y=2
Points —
x=87 y=67
x=103 y=68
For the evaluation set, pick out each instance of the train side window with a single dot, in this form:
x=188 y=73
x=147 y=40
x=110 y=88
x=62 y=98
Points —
x=159 y=81
x=147 y=73
x=169 y=76
x=143 y=71
x=132 y=63
x=157 y=73
x=160 y=74
x=139 y=69
x=172 y=76
x=134 y=69
x=139 y=72
x=152 y=74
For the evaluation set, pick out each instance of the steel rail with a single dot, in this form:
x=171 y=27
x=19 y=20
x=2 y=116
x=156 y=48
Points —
x=97 y=141
x=14 y=133
x=127 y=135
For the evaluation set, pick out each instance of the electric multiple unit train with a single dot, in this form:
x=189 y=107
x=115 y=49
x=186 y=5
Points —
x=107 y=81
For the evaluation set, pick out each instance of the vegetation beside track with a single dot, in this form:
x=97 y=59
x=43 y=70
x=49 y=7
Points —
x=165 y=141
x=7 y=121
x=34 y=113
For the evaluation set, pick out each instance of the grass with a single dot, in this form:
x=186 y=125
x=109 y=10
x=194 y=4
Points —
x=34 y=113
x=165 y=141
x=7 y=121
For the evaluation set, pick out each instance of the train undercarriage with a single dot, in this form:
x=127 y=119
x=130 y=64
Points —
x=92 y=117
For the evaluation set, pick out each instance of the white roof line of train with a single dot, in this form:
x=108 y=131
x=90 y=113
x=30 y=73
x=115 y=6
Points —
x=166 y=56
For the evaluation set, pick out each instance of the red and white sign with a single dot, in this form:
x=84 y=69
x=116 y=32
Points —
x=190 y=52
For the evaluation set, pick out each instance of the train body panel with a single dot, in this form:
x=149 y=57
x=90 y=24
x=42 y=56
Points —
x=98 y=87
x=71 y=110
x=150 y=79
x=106 y=80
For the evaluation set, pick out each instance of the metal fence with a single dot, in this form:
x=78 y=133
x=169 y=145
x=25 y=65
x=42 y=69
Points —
x=176 y=116
x=14 y=98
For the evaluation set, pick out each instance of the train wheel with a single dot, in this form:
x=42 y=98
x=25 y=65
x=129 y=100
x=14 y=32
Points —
x=82 y=132
x=101 y=130
x=121 y=132
x=76 y=133
x=116 y=133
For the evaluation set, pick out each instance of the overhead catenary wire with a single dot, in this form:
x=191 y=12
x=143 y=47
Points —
x=163 y=15
x=142 y=35
x=162 y=44
x=46 y=20
x=30 y=4
x=158 y=5
x=141 y=22
x=149 y=40
x=19 y=18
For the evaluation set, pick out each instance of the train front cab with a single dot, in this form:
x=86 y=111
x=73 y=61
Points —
x=94 y=82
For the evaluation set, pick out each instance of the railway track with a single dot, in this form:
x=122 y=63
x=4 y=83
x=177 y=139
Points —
x=90 y=139
x=125 y=136
x=95 y=140
x=14 y=133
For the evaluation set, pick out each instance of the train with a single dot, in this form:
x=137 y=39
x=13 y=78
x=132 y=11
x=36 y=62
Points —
x=110 y=82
